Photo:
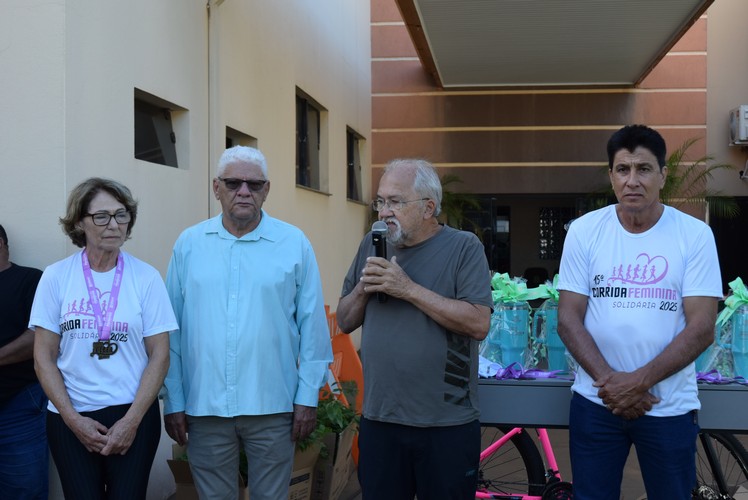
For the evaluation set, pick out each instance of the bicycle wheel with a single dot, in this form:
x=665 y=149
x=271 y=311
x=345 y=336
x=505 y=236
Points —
x=515 y=468
x=721 y=465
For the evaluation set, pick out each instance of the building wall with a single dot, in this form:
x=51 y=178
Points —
x=497 y=133
x=68 y=112
x=727 y=87
x=533 y=142
x=321 y=48
x=69 y=70
x=32 y=124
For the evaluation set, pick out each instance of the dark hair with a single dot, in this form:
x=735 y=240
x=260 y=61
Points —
x=79 y=199
x=3 y=235
x=631 y=137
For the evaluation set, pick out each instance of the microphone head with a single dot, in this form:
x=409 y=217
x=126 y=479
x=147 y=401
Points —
x=379 y=227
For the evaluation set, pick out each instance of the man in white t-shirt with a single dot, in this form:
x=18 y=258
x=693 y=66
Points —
x=639 y=283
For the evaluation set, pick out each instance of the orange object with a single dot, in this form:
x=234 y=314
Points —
x=345 y=367
x=354 y=449
x=332 y=323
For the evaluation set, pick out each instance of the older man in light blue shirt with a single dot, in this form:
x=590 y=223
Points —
x=253 y=346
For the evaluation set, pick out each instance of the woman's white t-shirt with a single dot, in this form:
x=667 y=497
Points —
x=62 y=306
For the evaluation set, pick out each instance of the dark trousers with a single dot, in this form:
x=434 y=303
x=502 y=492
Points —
x=397 y=462
x=90 y=476
x=24 y=460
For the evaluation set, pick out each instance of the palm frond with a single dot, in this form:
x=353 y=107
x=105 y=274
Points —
x=687 y=182
x=456 y=205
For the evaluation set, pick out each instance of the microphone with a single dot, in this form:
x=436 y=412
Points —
x=379 y=240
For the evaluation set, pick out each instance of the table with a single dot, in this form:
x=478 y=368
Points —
x=545 y=403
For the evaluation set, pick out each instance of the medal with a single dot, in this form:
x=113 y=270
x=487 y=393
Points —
x=103 y=348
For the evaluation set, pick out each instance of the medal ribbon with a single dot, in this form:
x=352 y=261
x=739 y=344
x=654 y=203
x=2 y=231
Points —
x=103 y=324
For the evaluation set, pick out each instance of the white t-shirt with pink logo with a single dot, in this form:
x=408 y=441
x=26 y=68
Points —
x=636 y=284
x=62 y=305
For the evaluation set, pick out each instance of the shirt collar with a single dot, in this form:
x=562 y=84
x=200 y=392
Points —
x=265 y=230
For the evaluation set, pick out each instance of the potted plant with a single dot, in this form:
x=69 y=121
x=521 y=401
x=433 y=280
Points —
x=333 y=417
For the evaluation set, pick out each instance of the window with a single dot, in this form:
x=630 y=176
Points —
x=491 y=223
x=236 y=138
x=308 y=141
x=155 y=137
x=353 y=170
x=552 y=231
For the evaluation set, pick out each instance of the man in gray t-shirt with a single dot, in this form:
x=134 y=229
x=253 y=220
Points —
x=422 y=314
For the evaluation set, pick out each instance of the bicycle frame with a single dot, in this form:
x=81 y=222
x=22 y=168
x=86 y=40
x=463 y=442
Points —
x=722 y=466
x=552 y=472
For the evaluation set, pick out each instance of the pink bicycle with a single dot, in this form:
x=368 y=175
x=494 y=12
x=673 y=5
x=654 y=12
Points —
x=511 y=467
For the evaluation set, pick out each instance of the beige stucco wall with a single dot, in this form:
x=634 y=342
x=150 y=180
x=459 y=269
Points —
x=68 y=70
x=727 y=87
x=323 y=49
x=32 y=124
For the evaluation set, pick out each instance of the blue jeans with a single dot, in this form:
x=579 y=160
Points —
x=599 y=443
x=24 y=462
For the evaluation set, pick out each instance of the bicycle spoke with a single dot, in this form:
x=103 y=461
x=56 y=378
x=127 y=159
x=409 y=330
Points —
x=721 y=465
x=515 y=468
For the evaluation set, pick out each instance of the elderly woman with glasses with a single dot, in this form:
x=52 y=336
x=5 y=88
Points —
x=101 y=350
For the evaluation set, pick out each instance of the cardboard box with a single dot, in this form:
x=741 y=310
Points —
x=303 y=472
x=331 y=474
x=300 y=483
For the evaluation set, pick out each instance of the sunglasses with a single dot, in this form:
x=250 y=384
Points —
x=233 y=184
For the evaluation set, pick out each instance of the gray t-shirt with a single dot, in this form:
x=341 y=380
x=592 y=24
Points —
x=415 y=371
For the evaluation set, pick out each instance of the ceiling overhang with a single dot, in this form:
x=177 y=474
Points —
x=545 y=43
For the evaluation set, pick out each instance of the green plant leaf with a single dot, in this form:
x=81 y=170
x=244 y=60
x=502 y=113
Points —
x=333 y=416
x=456 y=205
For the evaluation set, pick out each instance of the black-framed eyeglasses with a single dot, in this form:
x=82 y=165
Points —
x=379 y=204
x=103 y=218
x=233 y=184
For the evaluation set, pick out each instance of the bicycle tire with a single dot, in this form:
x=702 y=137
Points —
x=515 y=468
x=727 y=470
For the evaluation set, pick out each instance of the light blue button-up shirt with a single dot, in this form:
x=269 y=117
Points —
x=253 y=337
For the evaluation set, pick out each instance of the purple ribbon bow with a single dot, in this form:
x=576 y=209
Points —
x=515 y=371
x=715 y=377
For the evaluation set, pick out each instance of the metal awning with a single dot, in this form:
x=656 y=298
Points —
x=545 y=43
